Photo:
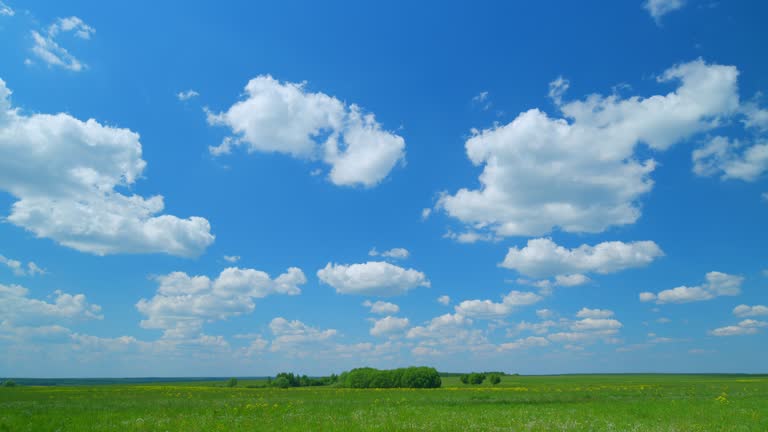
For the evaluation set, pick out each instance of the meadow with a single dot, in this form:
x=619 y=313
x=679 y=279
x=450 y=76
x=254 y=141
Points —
x=518 y=403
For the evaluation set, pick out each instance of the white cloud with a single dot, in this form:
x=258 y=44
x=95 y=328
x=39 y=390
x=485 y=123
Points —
x=395 y=253
x=482 y=100
x=542 y=257
x=718 y=284
x=425 y=212
x=659 y=8
x=184 y=303
x=440 y=326
x=745 y=327
x=65 y=175
x=470 y=236
x=377 y=278
x=18 y=309
x=48 y=49
x=589 y=324
x=731 y=159
x=18 y=268
x=594 y=313
x=580 y=172
x=750 y=311
x=295 y=337
x=382 y=307
x=232 y=258
x=538 y=328
x=529 y=342
x=444 y=300
x=285 y=118
x=187 y=95
x=6 y=10
x=487 y=309
x=389 y=326
x=544 y=313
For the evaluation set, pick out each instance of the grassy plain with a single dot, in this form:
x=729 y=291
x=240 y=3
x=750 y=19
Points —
x=519 y=403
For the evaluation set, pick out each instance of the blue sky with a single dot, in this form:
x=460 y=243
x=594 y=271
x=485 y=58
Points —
x=241 y=189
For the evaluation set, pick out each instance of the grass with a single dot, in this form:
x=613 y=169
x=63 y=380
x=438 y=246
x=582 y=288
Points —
x=556 y=403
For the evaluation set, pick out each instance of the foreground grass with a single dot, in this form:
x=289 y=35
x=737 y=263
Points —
x=565 y=403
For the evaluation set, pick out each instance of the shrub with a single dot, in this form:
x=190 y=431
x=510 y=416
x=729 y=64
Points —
x=494 y=378
x=232 y=382
x=9 y=383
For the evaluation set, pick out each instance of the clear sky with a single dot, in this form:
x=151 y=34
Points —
x=243 y=188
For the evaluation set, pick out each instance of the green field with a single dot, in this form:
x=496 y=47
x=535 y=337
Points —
x=557 y=403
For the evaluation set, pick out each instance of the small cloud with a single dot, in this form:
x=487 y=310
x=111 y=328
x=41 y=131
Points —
x=47 y=49
x=6 y=10
x=187 y=95
x=444 y=300
x=659 y=8
x=428 y=211
x=394 y=253
x=482 y=100
x=557 y=89
x=232 y=258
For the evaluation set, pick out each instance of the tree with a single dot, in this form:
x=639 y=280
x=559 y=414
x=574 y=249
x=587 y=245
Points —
x=232 y=382
x=494 y=378
x=9 y=383
x=281 y=382
x=476 y=378
x=464 y=379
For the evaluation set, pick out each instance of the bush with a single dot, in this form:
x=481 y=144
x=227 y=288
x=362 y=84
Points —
x=9 y=383
x=232 y=382
x=494 y=379
x=412 y=377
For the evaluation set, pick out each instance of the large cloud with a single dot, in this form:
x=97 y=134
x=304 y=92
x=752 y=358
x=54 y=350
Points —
x=377 y=278
x=718 y=284
x=581 y=173
x=286 y=118
x=544 y=258
x=184 y=303
x=64 y=173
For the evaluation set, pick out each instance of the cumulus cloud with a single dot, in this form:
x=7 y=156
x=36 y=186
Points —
x=232 y=258
x=529 y=342
x=382 y=307
x=376 y=278
x=750 y=311
x=284 y=117
x=718 y=284
x=183 y=303
x=187 y=95
x=542 y=257
x=581 y=172
x=19 y=269
x=65 y=174
x=444 y=300
x=395 y=253
x=745 y=327
x=487 y=309
x=389 y=326
x=659 y=8
x=295 y=337
x=17 y=308
x=594 y=313
x=731 y=159
x=47 y=49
